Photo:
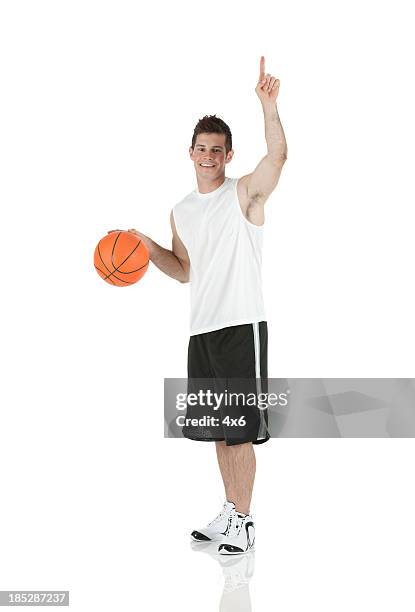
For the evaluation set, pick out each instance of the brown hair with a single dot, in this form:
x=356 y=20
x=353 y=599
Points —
x=210 y=124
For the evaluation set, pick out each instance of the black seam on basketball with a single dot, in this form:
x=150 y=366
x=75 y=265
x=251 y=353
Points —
x=132 y=271
x=116 y=268
x=102 y=272
x=113 y=249
x=111 y=273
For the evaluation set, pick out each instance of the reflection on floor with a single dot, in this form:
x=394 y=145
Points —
x=237 y=572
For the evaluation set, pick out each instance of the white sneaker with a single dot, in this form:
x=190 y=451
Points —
x=240 y=537
x=217 y=528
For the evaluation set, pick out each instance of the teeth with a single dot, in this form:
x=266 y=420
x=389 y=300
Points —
x=207 y=165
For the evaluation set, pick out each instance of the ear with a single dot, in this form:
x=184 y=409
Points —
x=191 y=151
x=229 y=156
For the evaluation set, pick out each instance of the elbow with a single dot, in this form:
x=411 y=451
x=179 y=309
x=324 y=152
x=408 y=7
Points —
x=279 y=155
x=182 y=272
x=185 y=277
x=280 y=158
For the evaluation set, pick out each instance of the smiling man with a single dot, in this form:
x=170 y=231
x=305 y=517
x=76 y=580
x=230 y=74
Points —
x=216 y=246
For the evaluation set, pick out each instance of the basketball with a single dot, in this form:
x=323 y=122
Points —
x=121 y=258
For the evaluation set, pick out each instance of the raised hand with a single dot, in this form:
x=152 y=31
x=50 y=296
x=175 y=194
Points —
x=268 y=86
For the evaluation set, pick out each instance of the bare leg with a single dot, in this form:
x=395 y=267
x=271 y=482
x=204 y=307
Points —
x=237 y=465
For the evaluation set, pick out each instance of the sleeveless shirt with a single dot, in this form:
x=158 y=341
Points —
x=225 y=252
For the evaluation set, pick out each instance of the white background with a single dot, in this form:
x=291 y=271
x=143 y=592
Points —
x=98 y=105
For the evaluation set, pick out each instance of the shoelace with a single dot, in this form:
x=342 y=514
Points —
x=220 y=516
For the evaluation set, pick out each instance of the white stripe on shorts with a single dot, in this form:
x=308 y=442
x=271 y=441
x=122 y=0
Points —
x=257 y=349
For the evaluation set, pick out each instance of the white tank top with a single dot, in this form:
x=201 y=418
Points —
x=225 y=252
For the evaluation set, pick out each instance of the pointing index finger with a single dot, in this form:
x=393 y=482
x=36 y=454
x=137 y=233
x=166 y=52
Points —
x=262 y=68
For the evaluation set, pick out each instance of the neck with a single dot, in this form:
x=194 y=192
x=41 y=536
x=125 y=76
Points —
x=208 y=185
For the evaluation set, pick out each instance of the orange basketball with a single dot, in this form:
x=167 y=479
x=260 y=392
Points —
x=121 y=258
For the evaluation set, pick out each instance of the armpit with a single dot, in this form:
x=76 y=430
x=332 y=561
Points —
x=256 y=198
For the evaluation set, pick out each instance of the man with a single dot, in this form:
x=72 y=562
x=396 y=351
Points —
x=217 y=241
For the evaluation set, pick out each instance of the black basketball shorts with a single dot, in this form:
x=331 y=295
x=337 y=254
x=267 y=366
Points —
x=227 y=385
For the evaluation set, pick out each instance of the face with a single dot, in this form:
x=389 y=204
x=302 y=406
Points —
x=209 y=155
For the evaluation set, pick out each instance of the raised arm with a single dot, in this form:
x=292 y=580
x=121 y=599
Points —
x=254 y=189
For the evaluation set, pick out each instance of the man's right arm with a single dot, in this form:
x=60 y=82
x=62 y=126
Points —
x=180 y=251
x=174 y=263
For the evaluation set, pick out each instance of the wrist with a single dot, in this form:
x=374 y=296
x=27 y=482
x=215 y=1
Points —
x=269 y=107
x=149 y=243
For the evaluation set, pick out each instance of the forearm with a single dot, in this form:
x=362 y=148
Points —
x=167 y=262
x=274 y=133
